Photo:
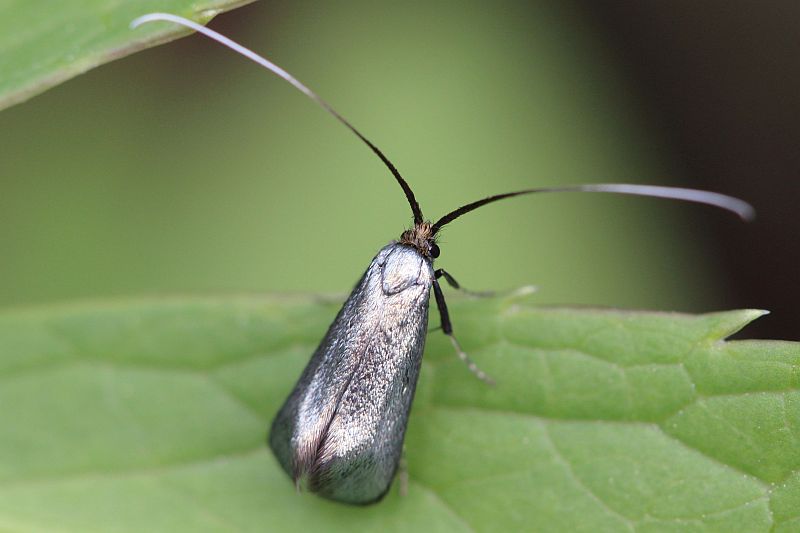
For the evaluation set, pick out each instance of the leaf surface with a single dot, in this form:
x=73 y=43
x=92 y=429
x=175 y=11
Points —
x=151 y=415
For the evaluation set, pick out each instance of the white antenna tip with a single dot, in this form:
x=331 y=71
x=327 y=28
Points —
x=138 y=21
x=164 y=17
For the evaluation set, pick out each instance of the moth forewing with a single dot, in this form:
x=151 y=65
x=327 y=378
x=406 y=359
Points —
x=342 y=428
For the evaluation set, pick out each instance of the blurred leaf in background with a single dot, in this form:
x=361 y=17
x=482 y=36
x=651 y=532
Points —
x=186 y=168
x=44 y=47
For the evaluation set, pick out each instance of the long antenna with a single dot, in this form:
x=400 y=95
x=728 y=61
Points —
x=741 y=208
x=275 y=69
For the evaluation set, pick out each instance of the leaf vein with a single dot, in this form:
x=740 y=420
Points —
x=560 y=458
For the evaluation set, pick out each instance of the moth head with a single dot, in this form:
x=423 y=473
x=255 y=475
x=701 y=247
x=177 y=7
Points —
x=423 y=238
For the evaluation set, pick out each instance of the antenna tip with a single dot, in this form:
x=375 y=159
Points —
x=151 y=17
x=138 y=21
x=748 y=213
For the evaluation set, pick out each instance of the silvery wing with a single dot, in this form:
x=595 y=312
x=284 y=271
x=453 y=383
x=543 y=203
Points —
x=342 y=427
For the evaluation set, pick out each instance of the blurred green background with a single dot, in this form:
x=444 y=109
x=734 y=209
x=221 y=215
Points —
x=188 y=169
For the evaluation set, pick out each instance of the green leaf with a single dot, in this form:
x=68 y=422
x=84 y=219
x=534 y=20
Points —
x=42 y=46
x=151 y=415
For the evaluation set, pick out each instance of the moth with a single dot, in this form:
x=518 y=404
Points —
x=340 y=432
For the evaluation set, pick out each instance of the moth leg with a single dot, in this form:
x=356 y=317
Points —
x=447 y=328
x=439 y=273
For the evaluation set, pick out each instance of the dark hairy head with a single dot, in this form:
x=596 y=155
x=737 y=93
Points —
x=422 y=238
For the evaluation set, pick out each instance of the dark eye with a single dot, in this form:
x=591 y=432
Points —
x=434 y=251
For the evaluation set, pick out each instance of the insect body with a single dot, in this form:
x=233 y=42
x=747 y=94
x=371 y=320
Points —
x=340 y=432
x=342 y=427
